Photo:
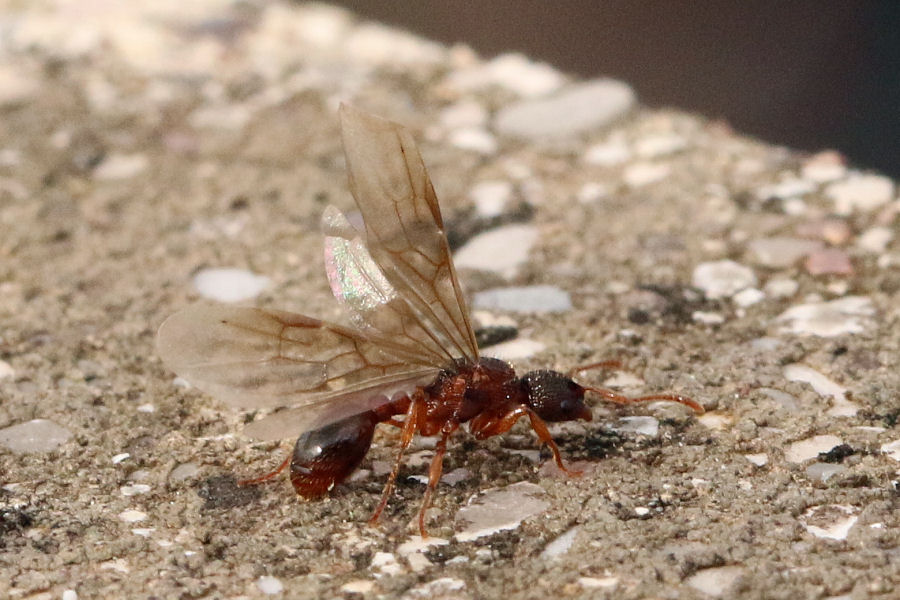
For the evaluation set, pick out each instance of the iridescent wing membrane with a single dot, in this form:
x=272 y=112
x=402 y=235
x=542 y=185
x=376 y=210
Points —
x=400 y=283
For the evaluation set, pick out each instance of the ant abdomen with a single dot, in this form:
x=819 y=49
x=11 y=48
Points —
x=325 y=457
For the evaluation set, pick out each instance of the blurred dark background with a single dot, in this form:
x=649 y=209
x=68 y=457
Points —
x=810 y=74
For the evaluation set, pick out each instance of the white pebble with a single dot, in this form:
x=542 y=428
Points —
x=823 y=471
x=386 y=563
x=760 y=460
x=748 y=297
x=143 y=531
x=598 y=582
x=829 y=319
x=120 y=457
x=527 y=299
x=707 y=317
x=70 y=595
x=824 y=387
x=17 y=83
x=723 y=278
x=269 y=585
x=559 y=546
x=516 y=349
x=512 y=71
x=500 y=509
x=474 y=139
x=645 y=173
x=787 y=188
x=577 y=109
x=37 y=435
x=132 y=516
x=648 y=426
x=375 y=44
x=780 y=252
x=120 y=166
x=830 y=521
x=418 y=544
x=804 y=450
x=715 y=421
x=6 y=370
x=491 y=197
x=608 y=154
x=502 y=250
x=717 y=581
x=358 y=586
x=465 y=113
x=824 y=167
x=663 y=144
x=134 y=489
x=229 y=285
x=781 y=288
x=860 y=192
x=875 y=239
x=445 y=588
x=183 y=471
x=592 y=192
x=892 y=449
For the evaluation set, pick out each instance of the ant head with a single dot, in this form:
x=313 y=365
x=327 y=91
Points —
x=555 y=397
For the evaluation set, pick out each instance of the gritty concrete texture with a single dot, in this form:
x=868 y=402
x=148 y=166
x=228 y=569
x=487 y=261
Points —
x=144 y=143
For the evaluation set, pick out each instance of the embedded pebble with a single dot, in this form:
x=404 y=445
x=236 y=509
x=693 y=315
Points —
x=598 y=582
x=516 y=349
x=386 y=563
x=892 y=449
x=717 y=581
x=804 y=450
x=375 y=44
x=824 y=167
x=608 y=154
x=781 y=288
x=788 y=188
x=577 y=109
x=592 y=192
x=269 y=585
x=715 y=421
x=417 y=544
x=875 y=239
x=132 y=516
x=120 y=166
x=823 y=386
x=229 y=285
x=560 y=545
x=515 y=72
x=358 y=586
x=474 y=139
x=781 y=252
x=500 y=509
x=69 y=595
x=645 y=173
x=184 y=471
x=6 y=370
x=707 y=317
x=120 y=457
x=445 y=588
x=37 y=435
x=502 y=250
x=760 y=460
x=860 y=192
x=748 y=297
x=829 y=261
x=830 y=521
x=829 y=319
x=465 y=113
x=783 y=398
x=641 y=425
x=134 y=489
x=490 y=197
x=723 y=278
x=526 y=299
x=824 y=471
x=663 y=144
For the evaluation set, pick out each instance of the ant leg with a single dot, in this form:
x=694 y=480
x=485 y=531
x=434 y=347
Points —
x=603 y=364
x=267 y=476
x=540 y=428
x=612 y=396
x=409 y=428
x=434 y=476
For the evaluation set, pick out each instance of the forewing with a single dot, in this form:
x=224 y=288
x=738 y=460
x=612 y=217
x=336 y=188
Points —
x=404 y=230
x=376 y=307
x=258 y=358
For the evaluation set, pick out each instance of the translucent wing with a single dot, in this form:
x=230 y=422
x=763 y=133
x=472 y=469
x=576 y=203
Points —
x=405 y=238
x=257 y=358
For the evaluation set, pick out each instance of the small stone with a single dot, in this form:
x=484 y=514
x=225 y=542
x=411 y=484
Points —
x=17 y=83
x=608 y=154
x=819 y=471
x=721 y=279
x=575 y=110
x=502 y=250
x=715 y=421
x=787 y=188
x=517 y=349
x=654 y=146
x=559 y=546
x=132 y=516
x=648 y=426
x=645 y=173
x=781 y=288
x=358 y=586
x=598 y=582
x=748 y=297
x=860 y=192
x=184 y=471
x=809 y=448
x=6 y=370
x=892 y=449
x=834 y=231
x=830 y=521
x=707 y=317
x=474 y=139
x=875 y=239
x=829 y=261
x=229 y=285
x=592 y=192
x=781 y=252
x=829 y=319
x=120 y=457
x=134 y=489
x=37 y=435
x=500 y=509
x=445 y=588
x=528 y=299
x=465 y=113
x=69 y=595
x=514 y=72
x=491 y=197
x=760 y=460
x=824 y=167
x=717 y=581
x=120 y=166
x=386 y=563
x=269 y=585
